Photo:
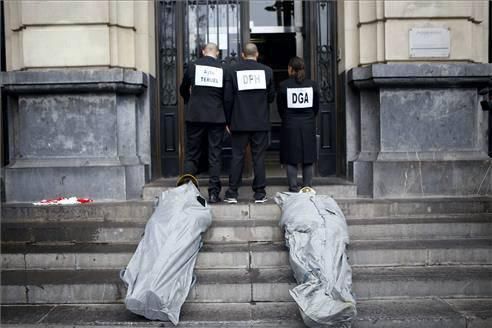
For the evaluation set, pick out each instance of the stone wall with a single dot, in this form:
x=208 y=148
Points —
x=77 y=132
x=93 y=33
x=377 y=31
x=422 y=130
x=80 y=87
x=414 y=129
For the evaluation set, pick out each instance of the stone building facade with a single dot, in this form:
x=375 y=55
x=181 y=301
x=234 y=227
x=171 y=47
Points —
x=90 y=104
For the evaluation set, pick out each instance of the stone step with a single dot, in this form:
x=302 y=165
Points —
x=96 y=211
x=248 y=230
x=254 y=285
x=246 y=193
x=140 y=211
x=250 y=255
x=332 y=186
x=408 y=313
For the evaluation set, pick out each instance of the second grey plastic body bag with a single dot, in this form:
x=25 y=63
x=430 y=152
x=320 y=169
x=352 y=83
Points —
x=316 y=234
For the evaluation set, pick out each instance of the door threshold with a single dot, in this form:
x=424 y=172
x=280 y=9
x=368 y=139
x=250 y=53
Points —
x=271 y=181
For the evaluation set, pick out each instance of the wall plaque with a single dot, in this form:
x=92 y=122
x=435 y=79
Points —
x=429 y=42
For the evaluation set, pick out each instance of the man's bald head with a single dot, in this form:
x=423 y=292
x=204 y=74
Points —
x=211 y=50
x=250 y=51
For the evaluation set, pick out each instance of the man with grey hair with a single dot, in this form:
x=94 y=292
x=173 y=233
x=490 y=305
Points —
x=202 y=90
x=248 y=91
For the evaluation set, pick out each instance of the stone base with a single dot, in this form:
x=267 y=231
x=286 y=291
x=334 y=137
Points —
x=96 y=182
x=422 y=131
x=82 y=133
x=385 y=179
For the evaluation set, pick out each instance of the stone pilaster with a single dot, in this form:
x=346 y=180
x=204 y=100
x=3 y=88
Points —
x=422 y=131
x=83 y=132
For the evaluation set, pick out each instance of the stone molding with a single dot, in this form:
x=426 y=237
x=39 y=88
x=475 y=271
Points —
x=430 y=75
x=117 y=80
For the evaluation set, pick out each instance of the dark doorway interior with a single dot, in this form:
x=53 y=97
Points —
x=281 y=29
x=275 y=50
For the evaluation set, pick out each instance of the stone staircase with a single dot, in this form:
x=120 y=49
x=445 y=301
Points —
x=416 y=263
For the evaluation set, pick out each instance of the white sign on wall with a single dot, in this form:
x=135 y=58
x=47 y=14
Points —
x=251 y=80
x=208 y=76
x=428 y=42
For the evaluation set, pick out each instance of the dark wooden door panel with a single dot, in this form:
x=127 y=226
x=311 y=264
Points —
x=324 y=60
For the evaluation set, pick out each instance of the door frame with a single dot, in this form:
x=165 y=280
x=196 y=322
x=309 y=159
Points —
x=174 y=156
x=322 y=65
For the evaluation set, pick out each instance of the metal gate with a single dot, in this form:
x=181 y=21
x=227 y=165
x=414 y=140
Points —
x=323 y=15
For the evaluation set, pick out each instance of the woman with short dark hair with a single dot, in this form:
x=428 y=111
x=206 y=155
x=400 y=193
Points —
x=298 y=104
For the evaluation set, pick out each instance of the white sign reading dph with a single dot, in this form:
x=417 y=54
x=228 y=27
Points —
x=208 y=76
x=251 y=80
x=299 y=97
x=428 y=42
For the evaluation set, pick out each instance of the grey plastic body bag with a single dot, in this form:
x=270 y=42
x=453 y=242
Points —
x=159 y=276
x=316 y=235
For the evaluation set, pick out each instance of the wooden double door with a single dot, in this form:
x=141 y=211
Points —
x=281 y=30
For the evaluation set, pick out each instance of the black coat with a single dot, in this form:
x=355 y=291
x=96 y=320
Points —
x=248 y=110
x=298 y=109
x=205 y=103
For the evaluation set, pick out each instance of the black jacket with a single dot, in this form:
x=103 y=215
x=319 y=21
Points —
x=282 y=100
x=298 y=133
x=248 y=109
x=205 y=103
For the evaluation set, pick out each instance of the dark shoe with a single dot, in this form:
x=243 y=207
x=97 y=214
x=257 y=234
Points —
x=296 y=189
x=214 y=198
x=230 y=197
x=260 y=197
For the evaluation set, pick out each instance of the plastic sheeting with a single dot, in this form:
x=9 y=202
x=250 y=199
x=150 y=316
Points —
x=159 y=276
x=316 y=235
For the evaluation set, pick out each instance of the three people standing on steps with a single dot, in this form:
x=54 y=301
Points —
x=237 y=99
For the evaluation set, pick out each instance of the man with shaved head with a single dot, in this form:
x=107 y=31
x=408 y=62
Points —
x=248 y=91
x=202 y=90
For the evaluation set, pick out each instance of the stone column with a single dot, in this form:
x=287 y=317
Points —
x=414 y=125
x=80 y=83
x=423 y=132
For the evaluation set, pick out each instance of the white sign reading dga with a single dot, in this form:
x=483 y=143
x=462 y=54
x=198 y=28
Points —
x=251 y=80
x=208 y=76
x=299 y=97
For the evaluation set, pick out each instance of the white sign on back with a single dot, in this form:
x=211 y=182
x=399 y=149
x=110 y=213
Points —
x=299 y=97
x=251 y=80
x=429 y=42
x=208 y=76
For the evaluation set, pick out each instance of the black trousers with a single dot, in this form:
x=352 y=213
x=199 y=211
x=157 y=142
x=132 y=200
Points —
x=307 y=176
x=195 y=134
x=259 y=144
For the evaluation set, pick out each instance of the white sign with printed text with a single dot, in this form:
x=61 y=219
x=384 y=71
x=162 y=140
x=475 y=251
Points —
x=208 y=76
x=299 y=97
x=425 y=42
x=251 y=80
